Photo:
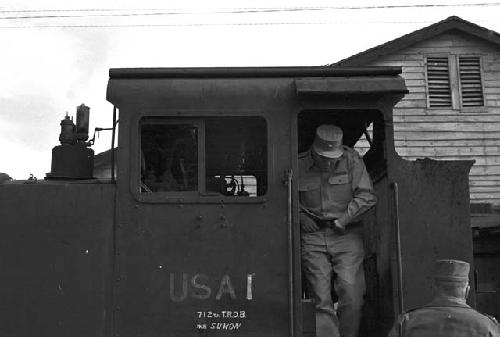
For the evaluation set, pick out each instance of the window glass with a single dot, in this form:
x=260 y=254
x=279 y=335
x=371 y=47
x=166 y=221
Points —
x=169 y=157
x=209 y=155
x=236 y=156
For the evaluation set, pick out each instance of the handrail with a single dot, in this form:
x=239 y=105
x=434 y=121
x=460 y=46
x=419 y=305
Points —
x=291 y=300
x=401 y=309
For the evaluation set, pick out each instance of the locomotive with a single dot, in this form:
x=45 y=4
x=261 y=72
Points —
x=197 y=232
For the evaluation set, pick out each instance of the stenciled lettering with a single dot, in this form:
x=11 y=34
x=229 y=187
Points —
x=203 y=288
x=184 y=293
x=250 y=286
x=225 y=288
x=225 y=326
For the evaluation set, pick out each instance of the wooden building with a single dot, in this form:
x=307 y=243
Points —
x=452 y=112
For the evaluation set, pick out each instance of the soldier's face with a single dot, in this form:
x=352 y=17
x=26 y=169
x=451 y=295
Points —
x=324 y=163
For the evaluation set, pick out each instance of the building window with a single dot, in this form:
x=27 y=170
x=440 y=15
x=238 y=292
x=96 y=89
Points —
x=454 y=81
x=438 y=82
x=471 y=87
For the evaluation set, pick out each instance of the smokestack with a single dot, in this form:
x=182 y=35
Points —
x=82 y=122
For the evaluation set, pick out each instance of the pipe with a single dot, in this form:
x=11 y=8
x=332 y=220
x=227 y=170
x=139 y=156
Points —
x=290 y=251
x=398 y=249
x=113 y=145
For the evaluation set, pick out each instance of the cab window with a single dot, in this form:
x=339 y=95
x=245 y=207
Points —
x=204 y=156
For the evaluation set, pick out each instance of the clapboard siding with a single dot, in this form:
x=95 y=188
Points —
x=413 y=76
x=449 y=117
x=483 y=170
x=488 y=152
x=479 y=160
x=440 y=135
x=485 y=183
x=434 y=112
x=412 y=103
x=493 y=103
x=417 y=69
x=494 y=84
x=485 y=178
x=450 y=134
x=490 y=76
x=452 y=126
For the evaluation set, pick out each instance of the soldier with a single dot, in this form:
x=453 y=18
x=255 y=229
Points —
x=334 y=190
x=447 y=314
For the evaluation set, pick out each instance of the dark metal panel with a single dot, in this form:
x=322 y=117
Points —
x=55 y=259
x=179 y=261
x=173 y=265
x=434 y=221
x=356 y=85
x=434 y=224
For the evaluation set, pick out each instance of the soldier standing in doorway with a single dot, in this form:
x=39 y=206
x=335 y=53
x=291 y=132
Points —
x=334 y=190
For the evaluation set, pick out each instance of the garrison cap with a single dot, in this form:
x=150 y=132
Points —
x=451 y=271
x=328 y=141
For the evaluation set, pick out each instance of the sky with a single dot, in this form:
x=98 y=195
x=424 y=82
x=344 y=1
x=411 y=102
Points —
x=55 y=55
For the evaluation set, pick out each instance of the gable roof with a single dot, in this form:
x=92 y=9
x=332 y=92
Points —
x=451 y=23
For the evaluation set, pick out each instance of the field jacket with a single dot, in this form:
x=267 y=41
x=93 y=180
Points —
x=336 y=188
x=443 y=317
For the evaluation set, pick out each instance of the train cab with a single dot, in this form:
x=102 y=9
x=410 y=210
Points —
x=208 y=200
x=198 y=235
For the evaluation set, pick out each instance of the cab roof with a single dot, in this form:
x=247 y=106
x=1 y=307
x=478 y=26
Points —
x=251 y=72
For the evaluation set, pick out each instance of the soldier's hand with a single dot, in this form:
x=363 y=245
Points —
x=307 y=225
x=339 y=227
x=328 y=216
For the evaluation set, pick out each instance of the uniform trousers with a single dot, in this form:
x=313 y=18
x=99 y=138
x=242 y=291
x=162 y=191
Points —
x=323 y=253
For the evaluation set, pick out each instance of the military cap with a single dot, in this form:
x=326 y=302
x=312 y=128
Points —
x=451 y=271
x=328 y=141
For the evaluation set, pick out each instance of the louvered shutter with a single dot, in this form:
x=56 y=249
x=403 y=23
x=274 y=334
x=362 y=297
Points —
x=471 y=88
x=438 y=82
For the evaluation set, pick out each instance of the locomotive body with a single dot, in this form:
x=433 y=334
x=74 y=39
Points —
x=198 y=234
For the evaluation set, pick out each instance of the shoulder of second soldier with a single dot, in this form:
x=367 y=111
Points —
x=492 y=318
x=425 y=309
x=416 y=311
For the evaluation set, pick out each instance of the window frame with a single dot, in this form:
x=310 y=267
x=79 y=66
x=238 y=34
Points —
x=197 y=116
x=450 y=81
x=481 y=108
x=455 y=85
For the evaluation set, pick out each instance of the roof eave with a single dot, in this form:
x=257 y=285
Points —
x=451 y=23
